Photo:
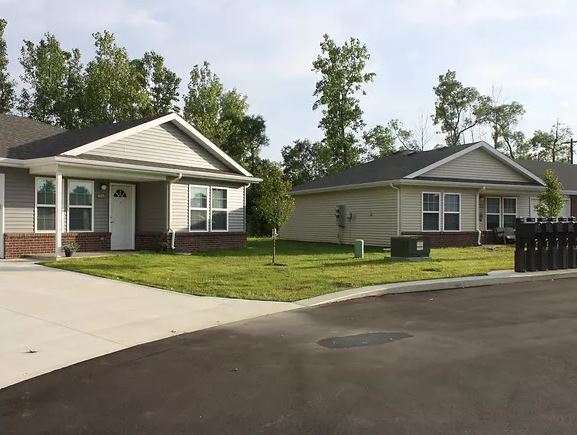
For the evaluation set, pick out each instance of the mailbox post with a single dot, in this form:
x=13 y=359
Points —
x=562 y=239
x=542 y=244
x=571 y=249
x=552 y=244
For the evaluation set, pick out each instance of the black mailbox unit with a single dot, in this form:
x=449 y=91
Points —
x=410 y=247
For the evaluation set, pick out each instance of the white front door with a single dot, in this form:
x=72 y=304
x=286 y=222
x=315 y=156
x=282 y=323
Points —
x=121 y=216
x=2 y=201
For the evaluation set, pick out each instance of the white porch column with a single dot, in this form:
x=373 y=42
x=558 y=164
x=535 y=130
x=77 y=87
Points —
x=58 y=228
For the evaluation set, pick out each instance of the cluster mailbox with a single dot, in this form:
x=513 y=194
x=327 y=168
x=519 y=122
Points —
x=545 y=244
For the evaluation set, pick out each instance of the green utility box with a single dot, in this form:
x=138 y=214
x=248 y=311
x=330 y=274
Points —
x=416 y=247
x=359 y=248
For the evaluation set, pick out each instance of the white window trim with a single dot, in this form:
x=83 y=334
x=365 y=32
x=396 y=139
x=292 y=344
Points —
x=430 y=212
x=452 y=212
x=493 y=214
x=219 y=209
x=36 y=230
x=68 y=207
x=503 y=208
x=207 y=208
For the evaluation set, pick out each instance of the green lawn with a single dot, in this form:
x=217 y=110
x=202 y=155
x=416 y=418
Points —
x=309 y=269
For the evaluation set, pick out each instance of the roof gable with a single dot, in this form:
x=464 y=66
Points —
x=477 y=165
x=165 y=144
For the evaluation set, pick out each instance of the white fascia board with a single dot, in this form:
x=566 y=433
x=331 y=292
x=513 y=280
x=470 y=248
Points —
x=171 y=117
x=12 y=163
x=470 y=185
x=67 y=161
x=345 y=187
x=486 y=147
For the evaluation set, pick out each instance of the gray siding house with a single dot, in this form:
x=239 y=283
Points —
x=457 y=196
x=129 y=185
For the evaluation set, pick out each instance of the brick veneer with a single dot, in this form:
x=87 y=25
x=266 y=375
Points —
x=191 y=242
x=19 y=244
x=456 y=239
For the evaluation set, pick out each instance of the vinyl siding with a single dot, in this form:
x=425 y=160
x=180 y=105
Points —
x=161 y=144
x=151 y=205
x=412 y=207
x=477 y=165
x=19 y=204
x=180 y=204
x=374 y=217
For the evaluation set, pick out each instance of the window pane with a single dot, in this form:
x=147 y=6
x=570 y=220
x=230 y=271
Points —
x=198 y=220
x=430 y=222
x=80 y=219
x=219 y=220
x=452 y=222
x=509 y=220
x=198 y=197
x=46 y=219
x=80 y=193
x=494 y=205
x=219 y=198
x=510 y=205
x=452 y=202
x=492 y=221
x=430 y=202
x=45 y=191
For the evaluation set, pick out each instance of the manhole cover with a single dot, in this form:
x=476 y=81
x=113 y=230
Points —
x=368 y=339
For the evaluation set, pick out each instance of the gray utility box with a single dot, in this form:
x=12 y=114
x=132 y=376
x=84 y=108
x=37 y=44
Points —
x=410 y=247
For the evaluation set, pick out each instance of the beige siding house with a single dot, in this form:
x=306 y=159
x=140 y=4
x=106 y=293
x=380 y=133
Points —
x=457 y=196
x=144 y=184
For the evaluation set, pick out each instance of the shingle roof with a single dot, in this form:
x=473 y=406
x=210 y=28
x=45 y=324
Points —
x=64 y=140
x=384 y=169
x=566 y=172
x=17 y=130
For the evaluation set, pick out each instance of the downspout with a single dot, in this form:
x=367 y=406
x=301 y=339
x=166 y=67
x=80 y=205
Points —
x=169 y=209
x=398 y=208
x=477 y=213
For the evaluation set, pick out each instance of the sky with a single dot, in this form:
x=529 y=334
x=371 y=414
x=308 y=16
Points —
x=527 y=50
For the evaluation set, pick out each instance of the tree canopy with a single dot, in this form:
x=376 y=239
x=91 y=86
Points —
x=6 y=84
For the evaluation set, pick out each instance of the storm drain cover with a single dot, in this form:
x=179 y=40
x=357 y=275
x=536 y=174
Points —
x=368 y=339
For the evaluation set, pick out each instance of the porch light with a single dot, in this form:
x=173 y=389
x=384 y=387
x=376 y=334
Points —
x=103 y=186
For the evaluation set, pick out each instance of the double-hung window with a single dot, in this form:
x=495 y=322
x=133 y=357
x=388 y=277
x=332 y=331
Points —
x=452 y=212
x=45 y=204
x=509 y=212
x=198 y=220
x=431 y=211
x=219 y=212
x=80 y=205
x=493 y=212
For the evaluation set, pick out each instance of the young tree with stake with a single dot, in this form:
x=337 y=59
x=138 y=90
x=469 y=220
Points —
x=551 y=200
x=275 y=203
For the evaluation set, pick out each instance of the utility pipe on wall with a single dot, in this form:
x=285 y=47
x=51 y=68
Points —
x=477 y=214
x=398 y=208
x=169 y=210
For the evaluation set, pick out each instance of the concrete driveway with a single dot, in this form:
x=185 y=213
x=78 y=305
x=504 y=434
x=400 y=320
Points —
x=52 y=318
x=490 y=360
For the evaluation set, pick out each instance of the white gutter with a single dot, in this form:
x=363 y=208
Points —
x=398 y=208
x=169 y=208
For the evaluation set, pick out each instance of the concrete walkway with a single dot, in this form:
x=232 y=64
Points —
x=52 y=318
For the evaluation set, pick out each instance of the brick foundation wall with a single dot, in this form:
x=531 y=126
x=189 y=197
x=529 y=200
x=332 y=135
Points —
x=447 y=240
x=19 y=244
x=191 y=242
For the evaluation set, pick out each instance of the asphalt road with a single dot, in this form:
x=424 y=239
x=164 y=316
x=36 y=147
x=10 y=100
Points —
x=489 y=360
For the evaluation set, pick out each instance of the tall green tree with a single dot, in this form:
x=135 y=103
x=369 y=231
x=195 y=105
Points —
x=381 y=141
x=458 y=108
x=222 y=116
x=6 y=84
x=551 y=200
x=502 y=120
x=275 y=203
x=302 y=161
x=343 y=76
x=113 y=88
x=552 y=145
x=53 y=83
x=159 y=82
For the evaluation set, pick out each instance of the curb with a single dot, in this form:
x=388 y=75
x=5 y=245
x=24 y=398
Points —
x=493 y=278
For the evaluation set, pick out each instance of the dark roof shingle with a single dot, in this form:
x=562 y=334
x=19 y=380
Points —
x=383 y=169
x=17 y=130
x=566 y=172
